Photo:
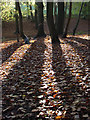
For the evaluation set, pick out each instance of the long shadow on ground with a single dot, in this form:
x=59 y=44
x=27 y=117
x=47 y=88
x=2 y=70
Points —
x=7 y=52
x=83 y=41
x=20 y=88
x=82 y=49
x=70 y=91
x=64 y=79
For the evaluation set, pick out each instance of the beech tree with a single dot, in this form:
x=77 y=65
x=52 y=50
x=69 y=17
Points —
x=69 y=18
x=17 y=22
x=60 y=21
x=40 y=17
x=36 y=22
x=55 y=13
x=21 y=24
x=31 y=12
x=51 y=25
x=74 y=30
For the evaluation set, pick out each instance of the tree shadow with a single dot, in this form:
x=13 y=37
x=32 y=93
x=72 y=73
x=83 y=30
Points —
x=83 y=50
x=21 y=91
x=7 y=52
x=83 y=41
x=69 y=87
x=63 y=78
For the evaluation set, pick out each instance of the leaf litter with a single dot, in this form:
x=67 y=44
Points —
x=44 y=81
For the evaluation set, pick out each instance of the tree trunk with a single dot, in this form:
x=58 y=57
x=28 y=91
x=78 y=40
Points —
x=65 y=14
x=36 y=22
x=28 y=11
x=74 y=30
x=31 y=12
x=66 y=9
x=50 y=21
x=55 y=14
x=69 y=18
x=60 y=24
x=21 y=25
x=40 y=20
x=20 y=19
x=17 y=24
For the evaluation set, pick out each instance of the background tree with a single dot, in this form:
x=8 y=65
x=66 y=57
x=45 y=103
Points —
x=36 y=22
x=17 y=24
x=31 y=11
x=85 y=11
x=8 y=12
x=55 y=13
x=21 y=24
x=65 y=13
x=28 y=10
x=74 y=30
x=69 y=18
x=51 y=25
x=20 y=19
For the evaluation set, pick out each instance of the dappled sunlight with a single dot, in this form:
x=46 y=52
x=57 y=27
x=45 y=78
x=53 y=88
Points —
x=46 y=81
x=50 y=102
x=80 y=81
x=6 y=44
x=83 y=36
x=82 y=49
x=8 y=49
x=13 y=59
x=21 y=90
x=63 y=91
x=77 y=68
x=82 y=41
x=44 y=61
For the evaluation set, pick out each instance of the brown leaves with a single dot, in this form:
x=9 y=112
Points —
x=55 y=95
x=58 y=117
x=45 y=81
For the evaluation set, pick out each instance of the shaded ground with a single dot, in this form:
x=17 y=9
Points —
x=8 y=51
x=42 y=81
x=8 y=28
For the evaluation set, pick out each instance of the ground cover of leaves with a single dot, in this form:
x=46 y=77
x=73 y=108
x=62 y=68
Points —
x=41 y=81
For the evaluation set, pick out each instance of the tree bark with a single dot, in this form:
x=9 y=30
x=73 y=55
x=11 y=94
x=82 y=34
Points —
x=60 y=24
x=74 y=30
x=21 y=24
x=31 y=12
x=40 y=20
x=69 y=18
x=36 y=22
x=20 y=19
x=17 y=24
x=65 y=14
x=35 y=18
x=55 y=14
x=50 y=21
x=66 y=9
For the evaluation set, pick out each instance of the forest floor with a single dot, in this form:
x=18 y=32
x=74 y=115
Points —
x=8 y=28
x=45 y=81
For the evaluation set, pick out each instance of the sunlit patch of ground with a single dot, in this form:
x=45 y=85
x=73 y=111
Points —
x=50 y=99
x=51 y=81
x=80 y=36
x=75 y=91
x=6 y=44
x=15 y=57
